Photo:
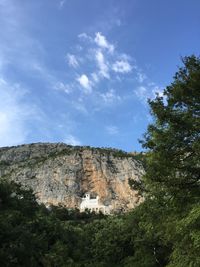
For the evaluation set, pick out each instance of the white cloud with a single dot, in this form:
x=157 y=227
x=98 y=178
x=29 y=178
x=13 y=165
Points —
x=110 y=96
x=80 y=107
x=62 y=87
x=17 y=46
x=121 y=61
x=103 y=66
x=122 y=66
x=101 y=41
x=79 y=47
x=112 y=130
x=157 y=90
x=125 y=57
x=72 y=60
x=72 y=140
x=150 y=91
x=14 y=114
x=85 y=83
x=141 y=77
x=85 y=36
x=95 y=77
x=142 y=94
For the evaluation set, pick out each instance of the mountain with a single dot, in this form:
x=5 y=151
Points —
x=61 y=174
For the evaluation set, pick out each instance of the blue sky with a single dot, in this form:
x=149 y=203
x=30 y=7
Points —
x=81 y=71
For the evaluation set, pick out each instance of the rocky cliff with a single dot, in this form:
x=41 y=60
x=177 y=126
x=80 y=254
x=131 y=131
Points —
x=60 y=174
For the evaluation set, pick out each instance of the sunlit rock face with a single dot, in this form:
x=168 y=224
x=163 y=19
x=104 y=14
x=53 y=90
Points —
x=60 y=174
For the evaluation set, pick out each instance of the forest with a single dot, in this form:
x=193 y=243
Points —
x=162 y=231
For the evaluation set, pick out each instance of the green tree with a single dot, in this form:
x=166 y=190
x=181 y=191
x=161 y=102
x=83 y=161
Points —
x=173 y=164
x=173 y=140
x=30 y=235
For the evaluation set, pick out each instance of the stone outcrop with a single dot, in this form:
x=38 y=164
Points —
x=60 y=174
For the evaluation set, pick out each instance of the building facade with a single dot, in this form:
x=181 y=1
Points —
x=92 y=204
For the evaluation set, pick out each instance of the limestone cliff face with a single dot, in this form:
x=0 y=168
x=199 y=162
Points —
x=60 y=174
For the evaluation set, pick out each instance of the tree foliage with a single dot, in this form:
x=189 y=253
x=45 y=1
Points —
x=173 y=140
x=173 y=163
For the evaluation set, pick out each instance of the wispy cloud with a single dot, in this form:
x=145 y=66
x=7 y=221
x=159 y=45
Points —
x=82 y=88
x=112 y=130
x=99 y=40
x=18 y=48
x=95 y=77
x=21 y=110
x=72 y=60
x=110 y=96
x=156 y=90
x=72 y=140
x=62 y=87
x=141 y=76
x=142 y=94
x=109 y=63
x=80 y=106
x=103 y=66
x=122 y=66
x=102 y=42
x=85 y=36
x=85 y=83
x=14 y=114
x=149 y=91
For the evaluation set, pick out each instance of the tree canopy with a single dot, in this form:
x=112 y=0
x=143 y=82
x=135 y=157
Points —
x=173 y=163
x=173 y=140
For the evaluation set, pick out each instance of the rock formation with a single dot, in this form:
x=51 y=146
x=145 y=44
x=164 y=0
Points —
x=60 y=174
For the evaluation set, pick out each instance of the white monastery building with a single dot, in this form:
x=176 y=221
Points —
x=92 y=204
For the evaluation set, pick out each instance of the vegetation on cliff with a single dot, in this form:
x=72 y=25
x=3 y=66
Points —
x=162 y=231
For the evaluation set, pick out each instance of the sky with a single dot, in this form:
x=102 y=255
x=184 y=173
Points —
x=81 y=71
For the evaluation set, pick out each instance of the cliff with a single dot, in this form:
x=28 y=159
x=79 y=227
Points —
x=60 y=174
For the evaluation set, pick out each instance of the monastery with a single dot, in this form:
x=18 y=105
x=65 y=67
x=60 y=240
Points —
x=92 y=204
